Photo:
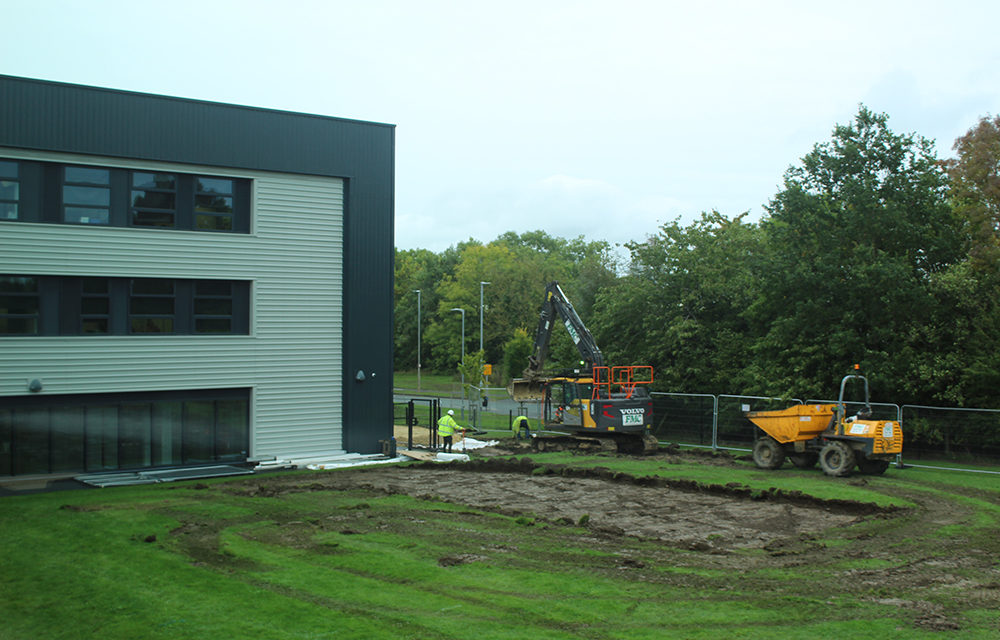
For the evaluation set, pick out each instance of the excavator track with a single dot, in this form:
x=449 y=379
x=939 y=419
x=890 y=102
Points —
x=632 y=444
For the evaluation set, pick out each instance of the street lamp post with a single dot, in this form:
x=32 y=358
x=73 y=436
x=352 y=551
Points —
x=463 y=342
x=481 y=314
x=417 y=291
x=462 y=311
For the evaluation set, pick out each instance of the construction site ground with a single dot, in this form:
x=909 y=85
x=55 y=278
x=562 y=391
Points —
x=682 y=543
x=918 y=558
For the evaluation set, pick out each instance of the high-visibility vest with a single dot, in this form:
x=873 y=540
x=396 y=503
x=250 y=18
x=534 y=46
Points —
x=516 y=425
x=447 y=425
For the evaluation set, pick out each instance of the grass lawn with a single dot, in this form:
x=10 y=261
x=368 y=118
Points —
x=429 y=383
x=232 y=558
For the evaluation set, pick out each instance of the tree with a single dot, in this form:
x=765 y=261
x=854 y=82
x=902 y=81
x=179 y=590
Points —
x=852 y=240
x=518 y=269
x=415 y=269
x=510 y=298
x=680 y=308
x=975 y=190
x=952 y=355
x=516 y=352
x=471 y=371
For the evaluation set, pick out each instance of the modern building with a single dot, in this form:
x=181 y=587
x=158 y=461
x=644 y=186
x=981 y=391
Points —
x=185 y=282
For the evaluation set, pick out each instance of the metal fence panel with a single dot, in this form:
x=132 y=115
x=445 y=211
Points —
x=954 y=435
x=684 y=418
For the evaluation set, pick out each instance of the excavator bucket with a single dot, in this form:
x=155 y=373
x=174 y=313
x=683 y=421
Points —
x=525 y=389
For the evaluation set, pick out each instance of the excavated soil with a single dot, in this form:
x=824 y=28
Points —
x=682 y=518
x=680 y=513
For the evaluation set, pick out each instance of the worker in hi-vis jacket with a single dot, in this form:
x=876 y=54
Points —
x=447 y=428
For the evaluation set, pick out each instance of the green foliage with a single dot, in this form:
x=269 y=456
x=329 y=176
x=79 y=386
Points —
x=953 y=351
x=850 y=244
x=517 y=268
x=471 y=371
x=975 y=190
x=516 y=352
x=680 y=308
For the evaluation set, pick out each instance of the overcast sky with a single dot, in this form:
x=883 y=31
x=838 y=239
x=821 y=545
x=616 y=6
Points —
x=602 y=119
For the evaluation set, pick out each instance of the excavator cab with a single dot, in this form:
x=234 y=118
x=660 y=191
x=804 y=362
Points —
x=567 y=402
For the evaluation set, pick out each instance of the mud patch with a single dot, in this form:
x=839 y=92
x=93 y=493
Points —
x=711 y=519
x=465 y=558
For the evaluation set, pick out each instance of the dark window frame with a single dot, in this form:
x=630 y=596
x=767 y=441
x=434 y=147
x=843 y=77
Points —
x=90 y=316
x=136 y=211
x=13 y=317
x=5 y=181
x=42 y=198
x=208 y=213
x=80 y=184
x=202 y=318
x=64 y=306
x=157 y=320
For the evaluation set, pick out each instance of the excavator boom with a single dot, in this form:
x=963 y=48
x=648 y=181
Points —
x=556 y=304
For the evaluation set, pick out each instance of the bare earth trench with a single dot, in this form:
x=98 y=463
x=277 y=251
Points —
x=689 y=520
x=685 y=519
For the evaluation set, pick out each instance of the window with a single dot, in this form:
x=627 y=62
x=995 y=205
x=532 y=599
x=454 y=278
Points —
x=213 y=204
x=151 y=306
x=10 y=189
x=102 y=306
x=109 y=431
x=87 y=195
x=154 y=199
x=213 y=306
x=19 y=305
x=95 y=305
x=47 y=192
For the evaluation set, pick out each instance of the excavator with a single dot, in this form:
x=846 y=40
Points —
x=594 y=406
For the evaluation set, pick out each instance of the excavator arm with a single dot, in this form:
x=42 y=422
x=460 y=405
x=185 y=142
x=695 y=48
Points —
x=556 y=309
x=556 y=304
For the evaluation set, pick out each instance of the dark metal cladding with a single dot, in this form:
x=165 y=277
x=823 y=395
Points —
x=51 y=116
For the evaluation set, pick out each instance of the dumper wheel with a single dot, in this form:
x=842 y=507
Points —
x=837 y=459
x=872 y=467
x=767 y=453
x=804 y=460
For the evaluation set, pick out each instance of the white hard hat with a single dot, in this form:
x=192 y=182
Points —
x=451 y=412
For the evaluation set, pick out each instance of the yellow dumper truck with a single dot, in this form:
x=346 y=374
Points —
x=824 y=433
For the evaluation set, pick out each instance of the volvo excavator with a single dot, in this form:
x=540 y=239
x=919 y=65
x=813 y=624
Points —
x=594 y=406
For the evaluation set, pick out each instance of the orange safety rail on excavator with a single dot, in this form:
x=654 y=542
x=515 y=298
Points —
x=624 y=377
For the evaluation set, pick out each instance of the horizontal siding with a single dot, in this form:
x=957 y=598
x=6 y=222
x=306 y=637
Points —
x=293 y=357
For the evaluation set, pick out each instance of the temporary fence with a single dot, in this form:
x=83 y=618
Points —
x=946 y=435
x=933 y=436
x=706 y=420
